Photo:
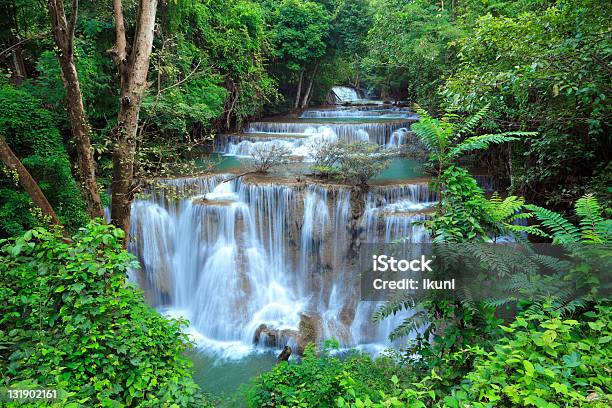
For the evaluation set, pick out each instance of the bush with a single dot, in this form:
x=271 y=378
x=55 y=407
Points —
x=354 y=163
x=269 y=156
x=70 y=320
x=320 y=381
x=546 y=361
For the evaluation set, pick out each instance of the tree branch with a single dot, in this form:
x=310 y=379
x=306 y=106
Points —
x=17 y=44
x=73 y=20
x=182 y=80
x=121 y=42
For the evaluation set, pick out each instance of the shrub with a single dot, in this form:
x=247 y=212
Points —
x=269 y=156
x=546 y=361
x=320 y=381
x=355 y=163
x=70 y=320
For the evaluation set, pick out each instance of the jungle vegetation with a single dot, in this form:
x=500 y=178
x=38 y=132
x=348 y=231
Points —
x=99 y=96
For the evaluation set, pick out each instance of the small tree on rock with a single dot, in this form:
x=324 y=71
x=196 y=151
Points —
x=268 y=156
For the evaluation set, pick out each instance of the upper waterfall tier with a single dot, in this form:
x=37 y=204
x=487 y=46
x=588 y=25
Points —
x=365 y=112
x=376 y=132
x=383 y=125
x=241 y=258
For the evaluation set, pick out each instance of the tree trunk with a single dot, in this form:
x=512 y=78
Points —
x=299 y=91
x=309 y=89
x=133 y=71
x=63 y=34
x=10 y=24
x=27 y=182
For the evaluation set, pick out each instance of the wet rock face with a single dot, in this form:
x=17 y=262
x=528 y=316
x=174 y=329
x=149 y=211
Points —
x=310 y=330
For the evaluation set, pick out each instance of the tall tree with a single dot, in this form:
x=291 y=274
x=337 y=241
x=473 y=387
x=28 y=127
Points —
x=63 y=35
x=133 y=67
x=300 y=35
x=27 y=181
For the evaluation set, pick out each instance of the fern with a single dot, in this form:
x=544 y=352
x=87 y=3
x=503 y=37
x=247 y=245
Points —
x=593 y=228
x=484 y=141
x=415 y=323
x=558 y=265
x=563 y=231
x=470 y=124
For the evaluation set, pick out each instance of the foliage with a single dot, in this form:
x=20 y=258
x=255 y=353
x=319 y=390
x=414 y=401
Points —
x=592 y=228
x=70 y=320
x=229 y=36
x=409 y=48
x=355 y=163
x=319 y=381
x=31 y=132
x=545 y=361
x=463 y=212
x=299 y=33
x=555 y=79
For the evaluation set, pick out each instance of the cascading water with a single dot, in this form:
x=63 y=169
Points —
x=386 y=126
x=251 y=261
x=237 y=255
x=344 y=94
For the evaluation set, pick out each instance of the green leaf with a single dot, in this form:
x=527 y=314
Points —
x=529 y=369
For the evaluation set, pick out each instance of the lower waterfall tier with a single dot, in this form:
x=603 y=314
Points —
x=254 y=265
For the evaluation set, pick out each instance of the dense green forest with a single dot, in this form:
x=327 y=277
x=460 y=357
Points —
x=98 y=99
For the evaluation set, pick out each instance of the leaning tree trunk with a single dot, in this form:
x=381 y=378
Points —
x=27 y=182
x=133 y=71
x=299 y=91
x=63 y=34
x=310 y=85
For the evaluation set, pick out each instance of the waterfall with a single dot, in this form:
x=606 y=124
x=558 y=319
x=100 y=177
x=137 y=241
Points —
x=234 y=256
x=398 y=138
x=252 y=261
x=298 y=136
x=298 y=144
x=385 y=126
x=345 y=94
x=360 y=112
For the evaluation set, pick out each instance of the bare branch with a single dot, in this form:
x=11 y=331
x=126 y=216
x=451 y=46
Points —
x=182 y=80
x=17 y=44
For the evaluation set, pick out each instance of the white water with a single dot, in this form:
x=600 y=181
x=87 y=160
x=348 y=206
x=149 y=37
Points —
x=301 y=138
x=232 y=256
x=354 y=112
x=345 y=94
x=263 y=254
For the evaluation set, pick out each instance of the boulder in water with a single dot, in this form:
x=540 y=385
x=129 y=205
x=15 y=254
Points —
x=270 y=337
x=284 y=355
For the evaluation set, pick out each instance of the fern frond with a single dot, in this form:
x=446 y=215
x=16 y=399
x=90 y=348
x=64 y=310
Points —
x=414 y=323
x=558 y=265
x=484 y=141
x=393 y=306
x=470 y=124
x=593 y=227
x=563 y=231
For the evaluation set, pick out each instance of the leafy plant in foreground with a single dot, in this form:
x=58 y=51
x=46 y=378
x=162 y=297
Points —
x=463 y=213
x=70 y=320
x=546 y=361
